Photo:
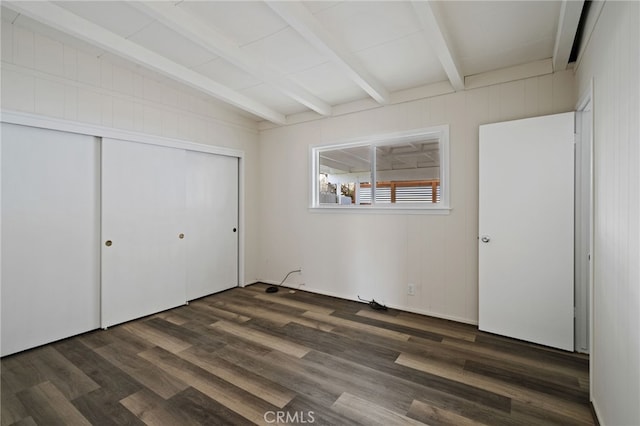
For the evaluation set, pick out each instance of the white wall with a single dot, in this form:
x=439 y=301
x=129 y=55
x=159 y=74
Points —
x=41 y=75
x=612 y=60
x=377 y=255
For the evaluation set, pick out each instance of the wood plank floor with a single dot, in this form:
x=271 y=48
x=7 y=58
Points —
x=247 y=357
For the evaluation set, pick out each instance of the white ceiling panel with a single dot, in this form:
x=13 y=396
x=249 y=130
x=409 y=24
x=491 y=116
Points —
x=227 y=74
x=493 y=35
x=494 y=60
x=364 y=24
x=242 y=21
x=317 y=6
x=268 y=95
x=412 y=54
x=8 y=15
x=329 y=83
x=285 y=51
x=168 y=43
x=116 y=16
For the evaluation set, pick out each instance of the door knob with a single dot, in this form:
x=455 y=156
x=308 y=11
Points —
x=108 y=243
x=485 y=239
x=234 y=229
x=181 y=236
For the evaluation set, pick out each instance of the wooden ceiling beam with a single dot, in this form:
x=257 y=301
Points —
x=570 y=12
x=300 y=19
x=200 y=33
x=436 y=35
x=67 y=22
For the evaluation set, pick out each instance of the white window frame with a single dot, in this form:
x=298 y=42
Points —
x=442 y=207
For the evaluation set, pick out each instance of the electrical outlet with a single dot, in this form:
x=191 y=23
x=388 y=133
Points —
x=411 y=289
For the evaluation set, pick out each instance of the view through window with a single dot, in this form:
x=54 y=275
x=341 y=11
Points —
x=395 y=171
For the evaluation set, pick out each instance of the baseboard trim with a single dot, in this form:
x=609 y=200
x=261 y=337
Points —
x=355 y=299
x=594 y=413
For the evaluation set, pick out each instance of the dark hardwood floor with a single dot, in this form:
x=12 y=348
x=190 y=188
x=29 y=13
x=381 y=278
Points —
x=244 y=356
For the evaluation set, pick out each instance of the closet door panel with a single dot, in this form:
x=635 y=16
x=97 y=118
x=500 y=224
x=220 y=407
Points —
x=143 y=254
x=50 y=236
x=212 y=220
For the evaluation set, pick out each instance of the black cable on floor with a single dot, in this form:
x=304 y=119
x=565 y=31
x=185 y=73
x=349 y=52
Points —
x=274 y=289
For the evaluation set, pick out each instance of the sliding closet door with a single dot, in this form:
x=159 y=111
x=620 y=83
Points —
x=143 y=237
x=50 y=236
x=212 y=218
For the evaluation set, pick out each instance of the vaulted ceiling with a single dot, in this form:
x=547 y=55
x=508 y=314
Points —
x=273 y=59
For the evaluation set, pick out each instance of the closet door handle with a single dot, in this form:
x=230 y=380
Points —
x=108 y=243
x=181 y=236
x=234 y=229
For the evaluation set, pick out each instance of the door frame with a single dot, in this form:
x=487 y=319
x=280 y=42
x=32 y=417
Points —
x=35 y=120
x=584 y=235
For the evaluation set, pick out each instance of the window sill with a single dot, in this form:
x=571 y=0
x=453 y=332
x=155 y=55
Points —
x=351 y=209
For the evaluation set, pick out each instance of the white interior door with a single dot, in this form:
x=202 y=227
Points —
x=50 y=236
x=143 y=256
x=526 y=225
x=212 y=222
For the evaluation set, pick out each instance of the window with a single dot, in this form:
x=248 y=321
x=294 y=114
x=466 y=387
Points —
x=402 y=171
